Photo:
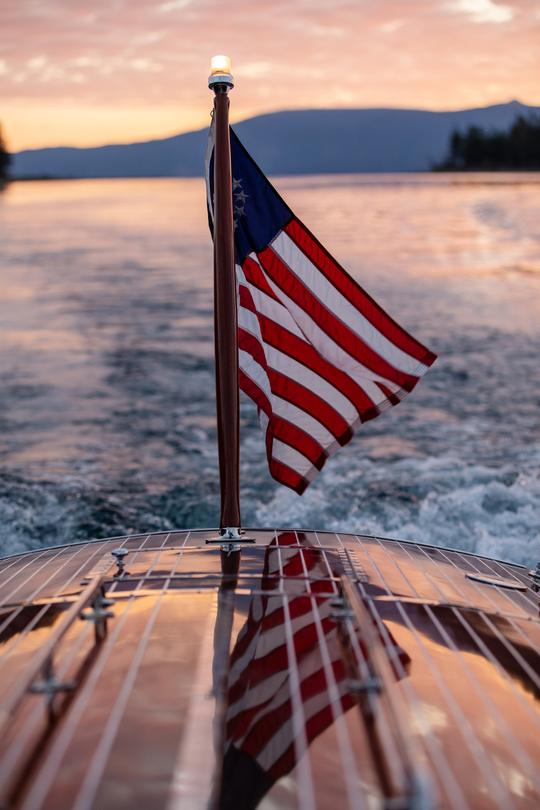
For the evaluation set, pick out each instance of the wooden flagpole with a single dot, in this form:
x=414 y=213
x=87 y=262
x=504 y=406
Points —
x=225 y=318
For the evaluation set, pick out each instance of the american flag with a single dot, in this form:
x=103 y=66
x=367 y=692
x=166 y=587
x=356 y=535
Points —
x=317 y=354
x=288 y=680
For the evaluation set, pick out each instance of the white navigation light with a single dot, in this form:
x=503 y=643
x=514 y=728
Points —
x=220 y=65
x=220 y=79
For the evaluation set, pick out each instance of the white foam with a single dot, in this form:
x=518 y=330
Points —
x=436 y=501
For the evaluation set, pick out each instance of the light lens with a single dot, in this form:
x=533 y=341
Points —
x=220 y=64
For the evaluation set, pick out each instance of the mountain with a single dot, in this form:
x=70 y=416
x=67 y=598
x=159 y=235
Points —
x=289 y=142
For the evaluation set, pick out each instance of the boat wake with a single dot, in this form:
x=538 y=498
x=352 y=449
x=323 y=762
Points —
x=490 y=511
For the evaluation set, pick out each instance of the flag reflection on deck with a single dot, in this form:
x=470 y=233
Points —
x=316 y=353
x=284 y=690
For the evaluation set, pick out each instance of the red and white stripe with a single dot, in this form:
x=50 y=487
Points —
x=317 y=354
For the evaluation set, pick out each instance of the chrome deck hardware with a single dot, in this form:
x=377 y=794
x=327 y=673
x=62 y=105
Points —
x=535 y=576
x=231 y=537
x=41 y=665
x=405 y=784
x=119 y=555
x=497 y=582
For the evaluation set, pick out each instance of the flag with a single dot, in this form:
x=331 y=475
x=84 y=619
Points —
x=317 y=354
x=288 y=680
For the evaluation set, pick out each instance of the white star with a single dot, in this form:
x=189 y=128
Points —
x=241 y=196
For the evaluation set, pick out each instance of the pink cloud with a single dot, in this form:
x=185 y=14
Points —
x=140 y=55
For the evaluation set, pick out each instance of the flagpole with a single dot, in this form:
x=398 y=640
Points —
x=225 y=320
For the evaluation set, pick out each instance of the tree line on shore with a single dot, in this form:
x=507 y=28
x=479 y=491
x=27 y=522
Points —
x=5 y=159
x=517 y=149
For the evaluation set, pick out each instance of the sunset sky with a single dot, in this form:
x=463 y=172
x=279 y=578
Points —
x=85 y=73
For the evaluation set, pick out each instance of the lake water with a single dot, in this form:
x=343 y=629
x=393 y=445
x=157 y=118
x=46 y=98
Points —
x=107 y=421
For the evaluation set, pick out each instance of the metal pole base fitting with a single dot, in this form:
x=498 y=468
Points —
x=231 y=536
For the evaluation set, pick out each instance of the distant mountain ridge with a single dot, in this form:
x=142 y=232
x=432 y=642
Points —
x=289 y=142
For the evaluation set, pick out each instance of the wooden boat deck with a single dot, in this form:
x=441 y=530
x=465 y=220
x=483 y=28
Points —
x=328 y=670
